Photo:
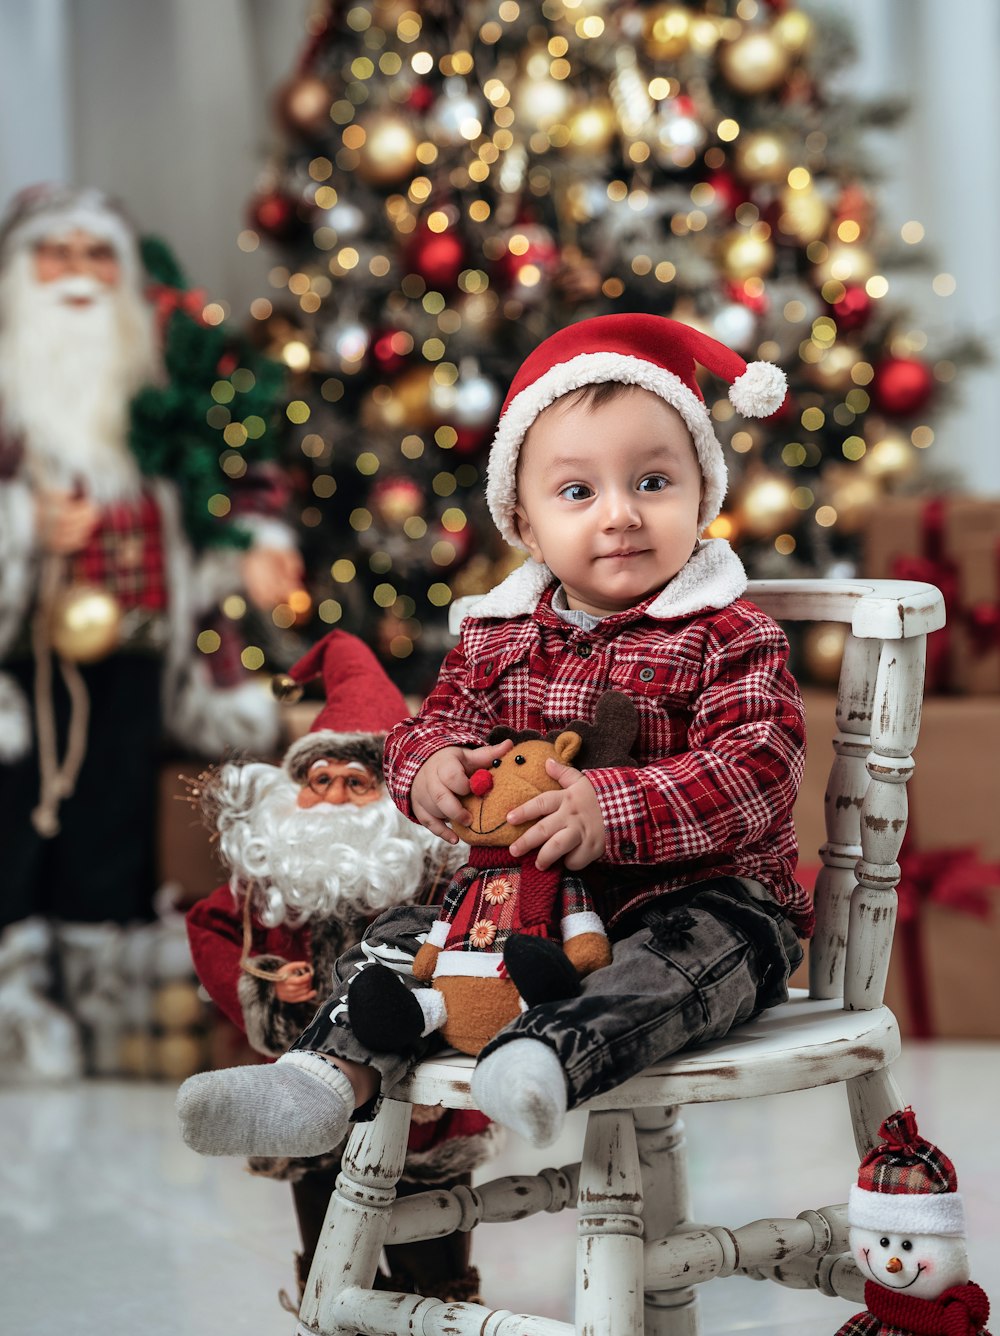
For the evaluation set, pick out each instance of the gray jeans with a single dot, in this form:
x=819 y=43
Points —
x=687 y=969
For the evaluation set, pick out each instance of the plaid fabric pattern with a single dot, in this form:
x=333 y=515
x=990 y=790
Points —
x=125 y=555
x=720 y=748
x=482 y=907
x=905 y=1162
x=866 y=1324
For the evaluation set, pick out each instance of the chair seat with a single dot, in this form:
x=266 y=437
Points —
x=795 y=1046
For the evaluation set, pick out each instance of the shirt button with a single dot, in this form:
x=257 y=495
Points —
x=585 y=650
x=628 y=849
x=646 y=674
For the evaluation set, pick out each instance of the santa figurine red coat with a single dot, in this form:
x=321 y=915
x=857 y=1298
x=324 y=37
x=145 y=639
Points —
x=317 y=850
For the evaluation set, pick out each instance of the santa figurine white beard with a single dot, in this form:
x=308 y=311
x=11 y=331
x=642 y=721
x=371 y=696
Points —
x=73 y=353
x=330 y=861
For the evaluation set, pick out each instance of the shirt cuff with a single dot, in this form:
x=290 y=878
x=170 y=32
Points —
x=438 y=934
x=583 y=921
x=623 y=808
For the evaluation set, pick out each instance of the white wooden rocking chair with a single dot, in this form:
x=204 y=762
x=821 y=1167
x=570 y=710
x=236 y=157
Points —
x=638 y=1260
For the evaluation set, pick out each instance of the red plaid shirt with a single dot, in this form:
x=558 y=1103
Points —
x=125 y=554
x=721 y=742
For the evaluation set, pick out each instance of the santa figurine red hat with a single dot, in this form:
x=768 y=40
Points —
x=907 y=1236
x=362 y=704
x=652 y=352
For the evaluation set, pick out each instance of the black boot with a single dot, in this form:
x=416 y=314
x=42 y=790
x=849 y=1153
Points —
x=541 y=970
x=384 y=1014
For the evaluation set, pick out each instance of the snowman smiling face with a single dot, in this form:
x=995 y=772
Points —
x=924 y=1265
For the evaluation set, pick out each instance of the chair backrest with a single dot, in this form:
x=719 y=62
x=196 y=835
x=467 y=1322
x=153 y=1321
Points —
x=877 y=719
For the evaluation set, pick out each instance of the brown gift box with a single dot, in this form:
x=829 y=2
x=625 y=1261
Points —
x=953 y=806
x=970 y=544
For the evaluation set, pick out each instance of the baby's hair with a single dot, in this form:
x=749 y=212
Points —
x=596 y=395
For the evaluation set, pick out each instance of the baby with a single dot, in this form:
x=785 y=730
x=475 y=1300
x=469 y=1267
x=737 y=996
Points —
x=606 y=470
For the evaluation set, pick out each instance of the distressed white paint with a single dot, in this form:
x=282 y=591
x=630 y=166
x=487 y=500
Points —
x=640 y=1260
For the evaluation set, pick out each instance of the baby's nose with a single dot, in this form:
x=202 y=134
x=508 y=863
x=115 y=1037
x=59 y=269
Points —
x=893 y=1265
x=480 y=782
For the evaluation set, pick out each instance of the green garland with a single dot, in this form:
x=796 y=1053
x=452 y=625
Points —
x=214 y=381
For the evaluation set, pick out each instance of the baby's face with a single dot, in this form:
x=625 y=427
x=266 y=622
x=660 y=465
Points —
x=608 y=498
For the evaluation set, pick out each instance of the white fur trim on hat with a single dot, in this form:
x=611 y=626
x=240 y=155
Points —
x=596 y=369
x=906 y=1212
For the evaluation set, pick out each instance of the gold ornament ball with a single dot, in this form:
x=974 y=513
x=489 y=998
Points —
x=794 y=31
x=592 y=129
x=303 y=104
x=178 y=1056
x=286 y=689
x=136 y=1054
x=667 y=31
x=754 y=63
x=833 y=370
x=86 y=624
x=745 y=255
x=853 y=497
x=389 y=153
x=823 y=650
x=891 y=458
x=804 y=215
x=766 y=507
x=540 y=103
x=177 y=1006
x=761 y=156
x=850 y=265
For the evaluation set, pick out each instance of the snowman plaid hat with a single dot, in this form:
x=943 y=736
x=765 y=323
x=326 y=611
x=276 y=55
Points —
x=652 y=352
x=362 y=704
x=906 y=1185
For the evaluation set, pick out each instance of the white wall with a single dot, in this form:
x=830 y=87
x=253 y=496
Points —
x=166 y=103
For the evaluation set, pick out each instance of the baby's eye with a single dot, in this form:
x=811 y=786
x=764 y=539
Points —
x=654 y=483
x=576 y=491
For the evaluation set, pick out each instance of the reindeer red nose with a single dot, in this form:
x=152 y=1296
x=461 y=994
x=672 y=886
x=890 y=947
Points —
x=481 y=782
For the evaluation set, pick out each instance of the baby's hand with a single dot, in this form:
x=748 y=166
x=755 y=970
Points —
x=571 y=824
x=443 y=781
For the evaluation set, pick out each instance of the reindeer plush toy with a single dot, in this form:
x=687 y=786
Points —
x=510 y=935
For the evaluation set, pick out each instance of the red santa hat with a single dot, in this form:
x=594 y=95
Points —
x=52 y=210
x=361 y=705
x=650 y=351
x=906 y=1185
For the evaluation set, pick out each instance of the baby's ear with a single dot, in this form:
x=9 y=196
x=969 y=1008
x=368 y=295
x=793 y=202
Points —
x=525 y=532
x=567 y=745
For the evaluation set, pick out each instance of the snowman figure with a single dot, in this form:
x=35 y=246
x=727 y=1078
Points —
x=907 y=1236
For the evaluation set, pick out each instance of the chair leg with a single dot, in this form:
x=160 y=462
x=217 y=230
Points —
x=871 y=1099
x=609 y=1228
x=358 y=1217
x=666 y=1206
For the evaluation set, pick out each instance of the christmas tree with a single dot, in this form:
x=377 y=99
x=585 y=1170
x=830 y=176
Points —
x=459 y=180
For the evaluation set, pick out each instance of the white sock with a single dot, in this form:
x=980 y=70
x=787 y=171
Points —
x=523 y=1086
x=299 y=1105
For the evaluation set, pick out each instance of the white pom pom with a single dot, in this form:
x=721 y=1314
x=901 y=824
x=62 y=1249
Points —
x=15 y=722
x=760 y=391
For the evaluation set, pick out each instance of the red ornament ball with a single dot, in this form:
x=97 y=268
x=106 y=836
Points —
x=421 y=98
x=275 y=215
x=396 y=500
x=902 y=386
x=853 y=309
x=729 y=192
x=438 y=257
x=390 y=349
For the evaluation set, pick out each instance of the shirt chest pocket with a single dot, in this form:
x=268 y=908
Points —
x=486 y=673
x=669 y=683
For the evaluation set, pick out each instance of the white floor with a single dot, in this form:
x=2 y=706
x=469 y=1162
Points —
x=109 y=1224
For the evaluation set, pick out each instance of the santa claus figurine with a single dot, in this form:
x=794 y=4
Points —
x=317 y=850
x=907 y=1236
x=102 y=593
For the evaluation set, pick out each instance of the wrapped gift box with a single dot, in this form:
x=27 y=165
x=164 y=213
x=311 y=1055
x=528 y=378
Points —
x=954 y=543
x=953 y=949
